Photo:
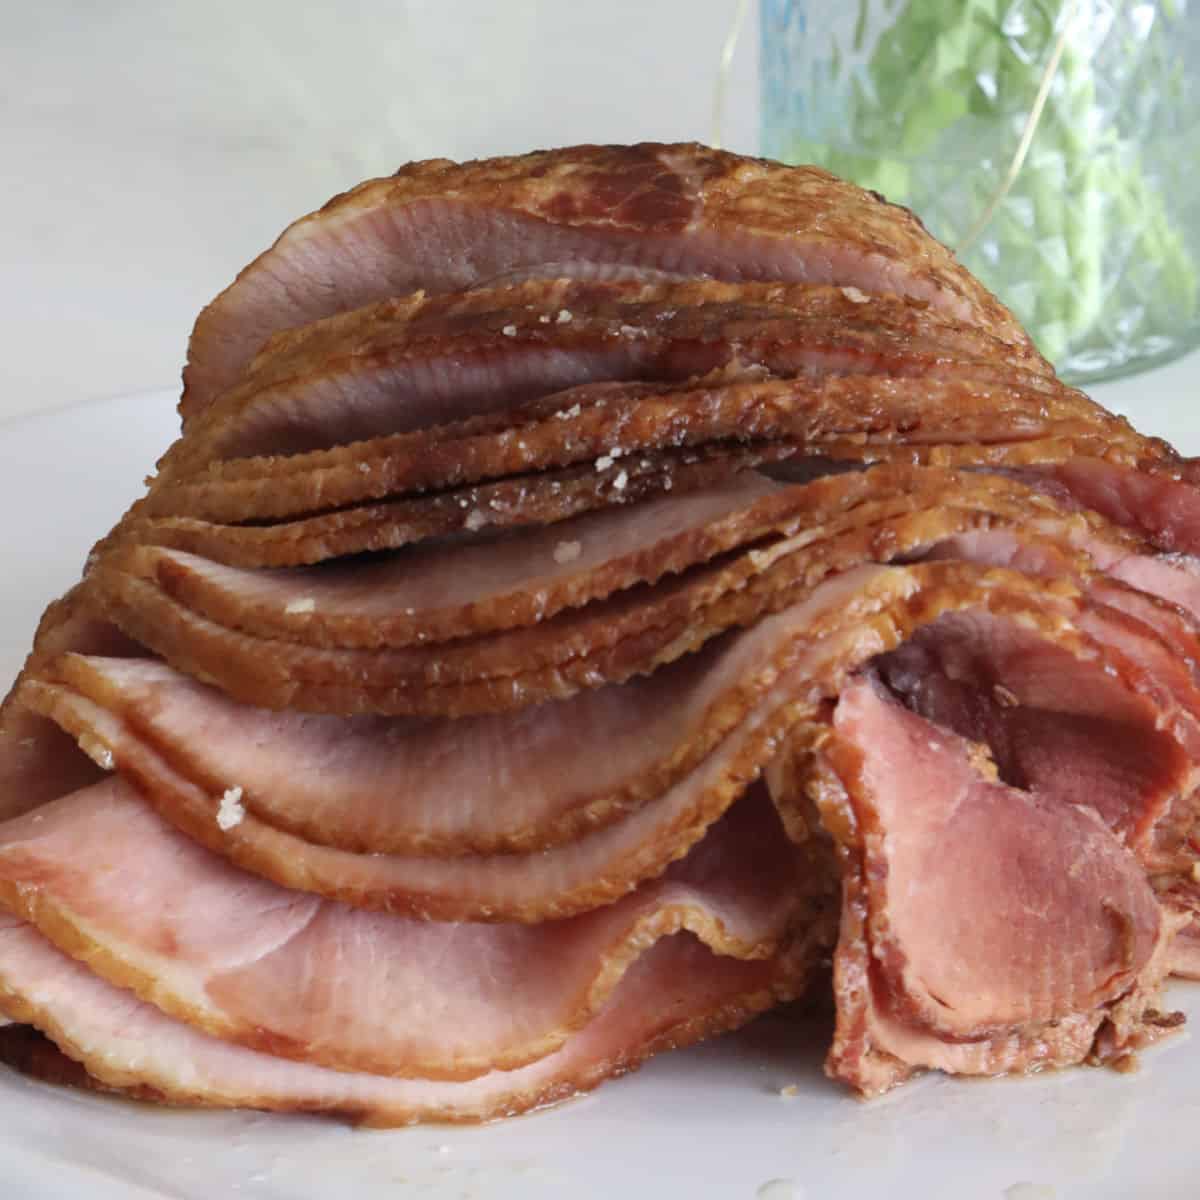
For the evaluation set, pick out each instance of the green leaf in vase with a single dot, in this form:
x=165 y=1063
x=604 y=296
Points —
x=951 y=82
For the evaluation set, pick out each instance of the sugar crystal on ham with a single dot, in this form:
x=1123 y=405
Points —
x=594 y=593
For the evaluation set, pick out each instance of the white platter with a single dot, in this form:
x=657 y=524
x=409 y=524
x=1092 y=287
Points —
x=705 y=1124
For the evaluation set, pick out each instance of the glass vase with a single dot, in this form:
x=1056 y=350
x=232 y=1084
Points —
x=1092 y=236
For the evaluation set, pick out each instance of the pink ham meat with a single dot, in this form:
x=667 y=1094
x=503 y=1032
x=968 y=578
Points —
x=530 y=575
x=675 y=994
x=37 y=760
x=258 y=965
x=1163 y=505
x=498 y=784
x=468 y=588
x=1181 y=894
x=424 y=360
x=1050 y=728
x=746 y=689
x=985 y=928
x=495 y=583
x=683 y=740
x=685 y=210
x=322 y=750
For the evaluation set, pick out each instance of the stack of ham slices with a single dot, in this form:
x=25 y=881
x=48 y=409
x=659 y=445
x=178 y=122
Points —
x=595 y=593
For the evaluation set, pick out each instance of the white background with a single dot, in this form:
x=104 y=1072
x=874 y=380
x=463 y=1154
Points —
x=150 y=148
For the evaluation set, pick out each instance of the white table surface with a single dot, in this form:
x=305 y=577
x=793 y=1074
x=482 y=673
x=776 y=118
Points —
x=1148 y=398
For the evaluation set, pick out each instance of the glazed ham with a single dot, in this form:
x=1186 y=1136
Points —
x=416 y=361
x=680 y=211
x=606 y=422
x=596 y=593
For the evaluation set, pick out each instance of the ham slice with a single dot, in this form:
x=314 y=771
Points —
x=609 y=642
x=496 y=583
x=503 y=784
x=542 y=498
x=299 y=977
x=605 y=422
x=745 y=685
x=1181 y=896
x=684 y=209
x=37 y=761
x=1051 y=725
x=424 y=360
x=461 y=588
x=985 y=928
x=1163 y=504
x=820 y=528
x=466 y=588
x=547 y=497
x=746 y=689
x=675 y=994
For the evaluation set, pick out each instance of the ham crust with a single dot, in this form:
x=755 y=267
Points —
x=465 y=588
x=630 y=419
x=686 y=209
x=816 y=530
x=753 y=685
x=422 y=360
x=540 y=499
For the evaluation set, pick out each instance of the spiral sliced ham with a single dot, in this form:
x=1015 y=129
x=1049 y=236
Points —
x=606 y=422
x=744 y=688
x=683 y=210
x=853 y=519
x=542 y=498
x=399 y=753
x=468 y=588
x=424 y=360
x=586 y=847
